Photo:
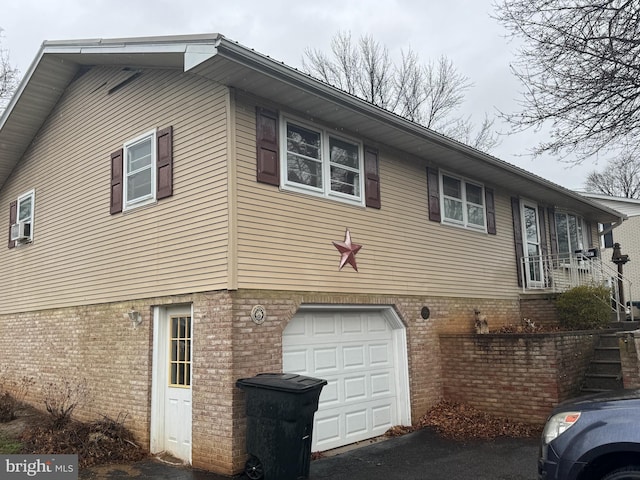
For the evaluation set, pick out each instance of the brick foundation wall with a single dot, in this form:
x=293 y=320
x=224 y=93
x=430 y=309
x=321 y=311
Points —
x=539 y=308
x=98 y=343
x=515 y=376
x=258 y=348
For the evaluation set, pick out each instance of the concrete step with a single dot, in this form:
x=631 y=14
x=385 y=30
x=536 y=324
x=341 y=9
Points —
x=607 y=353
x=609 y=340
x=607 y=367
x=600 y=381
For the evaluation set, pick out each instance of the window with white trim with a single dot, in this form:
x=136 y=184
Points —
x=21 y=219
x=571 y=233
x=140 y=171
x=462 y=202
x=316 y=161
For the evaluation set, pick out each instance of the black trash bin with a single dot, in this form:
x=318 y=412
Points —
x=280 y=409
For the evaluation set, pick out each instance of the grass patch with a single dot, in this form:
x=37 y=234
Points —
x=9 y=446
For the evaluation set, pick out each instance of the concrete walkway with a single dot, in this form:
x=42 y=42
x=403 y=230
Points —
x=415 y=456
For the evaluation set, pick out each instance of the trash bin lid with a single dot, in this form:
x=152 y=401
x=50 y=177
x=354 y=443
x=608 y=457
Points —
x=287 y=382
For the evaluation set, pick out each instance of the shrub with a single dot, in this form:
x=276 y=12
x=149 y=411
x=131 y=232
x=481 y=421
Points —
x=585 y=307
x=61 y=399
x=12 y=394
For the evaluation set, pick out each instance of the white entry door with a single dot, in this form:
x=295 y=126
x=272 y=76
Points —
x=362 y=355
x=171 y=405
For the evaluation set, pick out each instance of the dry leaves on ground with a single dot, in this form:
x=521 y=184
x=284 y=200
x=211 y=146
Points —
x=95 y=443
x=462 y=422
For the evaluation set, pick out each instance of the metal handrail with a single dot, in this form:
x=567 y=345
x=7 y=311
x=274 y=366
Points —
x=561 y=272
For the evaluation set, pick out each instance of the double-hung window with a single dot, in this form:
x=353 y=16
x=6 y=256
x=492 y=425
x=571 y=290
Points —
x=142 y=170
x=462 y=202
x=570 y=231
x=139 y=170
x=316 y=161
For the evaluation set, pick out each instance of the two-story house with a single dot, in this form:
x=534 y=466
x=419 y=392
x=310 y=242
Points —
x=183 y=212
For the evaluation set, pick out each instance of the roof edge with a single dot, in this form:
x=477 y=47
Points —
x=269 y=66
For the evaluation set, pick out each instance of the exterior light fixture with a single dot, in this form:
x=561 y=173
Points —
x=135 y=317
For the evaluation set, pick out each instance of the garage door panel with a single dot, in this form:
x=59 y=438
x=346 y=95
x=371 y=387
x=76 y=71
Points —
x=326 y=430
x=381 y=417
x=296 y=360
x=356 y=424
x=353 y=356
x=378 y=325
x=380 y=354
x=325 y=360
x=381 y=384
x=355 y=388
x=299 y=328
x=329 y=394
x=355 y=353
x=352 y=324
x=324 y=325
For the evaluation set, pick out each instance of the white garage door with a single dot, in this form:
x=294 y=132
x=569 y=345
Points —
x=362 y=355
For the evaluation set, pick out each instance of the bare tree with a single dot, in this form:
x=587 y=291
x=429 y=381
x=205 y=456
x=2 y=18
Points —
x=579 y=66
x=9 y=78
x=620 y=178
x=428 y=94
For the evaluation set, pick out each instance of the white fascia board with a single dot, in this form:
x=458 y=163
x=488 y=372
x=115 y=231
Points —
x=196 y=54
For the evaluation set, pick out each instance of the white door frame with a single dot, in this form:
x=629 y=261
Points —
x=159 y=372
x=530 y=265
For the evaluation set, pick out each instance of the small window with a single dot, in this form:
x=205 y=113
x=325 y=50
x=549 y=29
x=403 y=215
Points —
x=463 y=202
x=139 y=171
x=606 y=235
x=316 y=161
x=22 y=223
x=180 y=362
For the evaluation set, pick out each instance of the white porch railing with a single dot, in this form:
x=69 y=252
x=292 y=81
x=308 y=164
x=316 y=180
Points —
x=558 y=273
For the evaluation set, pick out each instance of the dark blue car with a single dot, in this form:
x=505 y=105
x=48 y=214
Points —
x=593 y=438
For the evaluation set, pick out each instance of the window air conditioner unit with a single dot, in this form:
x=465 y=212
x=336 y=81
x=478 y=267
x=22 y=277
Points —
x=20 y=231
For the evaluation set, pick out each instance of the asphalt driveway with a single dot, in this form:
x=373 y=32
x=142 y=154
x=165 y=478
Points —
x=415 y=456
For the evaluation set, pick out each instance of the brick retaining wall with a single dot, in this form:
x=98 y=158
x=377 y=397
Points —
x=520 y=377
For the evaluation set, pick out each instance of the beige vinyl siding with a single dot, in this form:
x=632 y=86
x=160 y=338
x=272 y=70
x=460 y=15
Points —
x=285 y=239
x=81 y=254
x=627 y=236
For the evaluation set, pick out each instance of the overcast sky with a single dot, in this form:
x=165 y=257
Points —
x=463 y=30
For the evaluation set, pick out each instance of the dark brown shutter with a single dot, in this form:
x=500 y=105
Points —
x=116 y=182
x=13 y=218
x=164 y=163
x=491 y=211
x=268 y=158
x=543 y=232
x=372 y=178
x=433 y=191
x=552 y=231
x=517 y=236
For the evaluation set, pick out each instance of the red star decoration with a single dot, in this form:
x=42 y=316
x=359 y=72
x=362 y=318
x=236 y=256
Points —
x=348 y=251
